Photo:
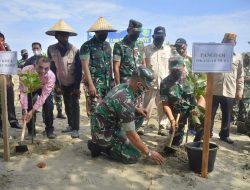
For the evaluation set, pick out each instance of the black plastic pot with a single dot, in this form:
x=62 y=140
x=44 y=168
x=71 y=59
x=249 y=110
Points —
x=194 y=153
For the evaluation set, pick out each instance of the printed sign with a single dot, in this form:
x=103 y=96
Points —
x=212 y=57
x=8 y=62
x=113 y=37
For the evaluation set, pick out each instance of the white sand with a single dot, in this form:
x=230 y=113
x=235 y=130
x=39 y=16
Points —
x=69 y=165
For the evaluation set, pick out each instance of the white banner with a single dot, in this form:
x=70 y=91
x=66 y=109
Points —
x=8 y=62
x=212 y=57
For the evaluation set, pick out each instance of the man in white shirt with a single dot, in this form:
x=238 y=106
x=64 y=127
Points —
x=157 y=55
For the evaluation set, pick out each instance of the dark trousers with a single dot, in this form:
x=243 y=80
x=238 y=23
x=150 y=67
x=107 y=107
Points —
x=72 y=107
x=48 y=107
x=226 y=105
x=10 y=105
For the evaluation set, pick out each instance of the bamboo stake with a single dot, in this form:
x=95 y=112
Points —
x=209 y=100
x=3 y=85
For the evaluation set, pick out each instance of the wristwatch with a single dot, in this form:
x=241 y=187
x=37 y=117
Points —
x=24 y=112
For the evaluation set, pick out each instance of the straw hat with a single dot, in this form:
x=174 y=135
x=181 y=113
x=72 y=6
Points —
x=61 y=26
x=230 y=36
x=101 y=25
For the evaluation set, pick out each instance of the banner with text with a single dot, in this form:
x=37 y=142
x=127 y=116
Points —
x=212 y=57
x=113 y=37
x=8 y=62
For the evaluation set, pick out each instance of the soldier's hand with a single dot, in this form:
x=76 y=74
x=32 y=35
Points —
x=142 y=111
x=92 y=90
x=156 y=157
x=195 y=112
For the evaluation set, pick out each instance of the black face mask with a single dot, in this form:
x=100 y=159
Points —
x=158 y=42
x=134 y=37
x=25 y=56
x=102 y=37
x=178 y=49
x=176 y=74
x=65 y=44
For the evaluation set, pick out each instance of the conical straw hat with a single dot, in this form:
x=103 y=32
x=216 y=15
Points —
x=61 y=26
x=101 y=25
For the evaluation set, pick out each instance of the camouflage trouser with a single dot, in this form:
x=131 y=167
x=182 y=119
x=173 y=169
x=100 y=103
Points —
x=120 y=149
x=93 y=101
x=179 y=134
x=58 y=100
x=243 y=116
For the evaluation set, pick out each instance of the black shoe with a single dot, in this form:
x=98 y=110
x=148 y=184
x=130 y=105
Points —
x=16 y=126
x=67 y=130
x=94 y=149
x=177 y=140
x=227 y=140
x=75 y=134
x=50 y=134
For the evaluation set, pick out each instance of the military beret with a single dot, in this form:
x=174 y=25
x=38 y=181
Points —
x=136 y=25
x=175 y=62
x=159 y=31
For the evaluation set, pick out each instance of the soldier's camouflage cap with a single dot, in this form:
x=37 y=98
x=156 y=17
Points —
x=24 y=51
x=175 y=62
x=136 y=25
x=145 y=74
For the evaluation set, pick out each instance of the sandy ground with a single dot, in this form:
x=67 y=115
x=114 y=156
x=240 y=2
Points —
x=69 y=165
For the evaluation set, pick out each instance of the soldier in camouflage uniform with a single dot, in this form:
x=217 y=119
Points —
x=128 y=54
x=181 y=48
x=178 y=97
x=243 y=116
x=96 y=57
x=21 y=62
x=116 y=119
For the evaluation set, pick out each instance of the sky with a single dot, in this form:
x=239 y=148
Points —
x=26 y=21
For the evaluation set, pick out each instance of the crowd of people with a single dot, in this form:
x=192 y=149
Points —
x=122 y=85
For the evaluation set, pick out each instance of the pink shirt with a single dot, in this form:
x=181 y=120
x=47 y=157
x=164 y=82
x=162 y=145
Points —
x=48 y=83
